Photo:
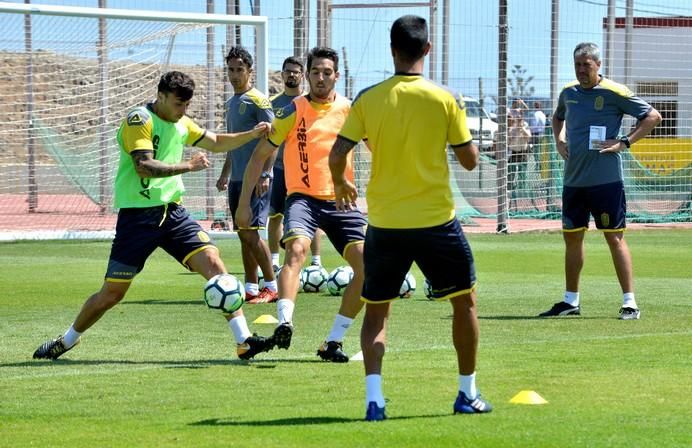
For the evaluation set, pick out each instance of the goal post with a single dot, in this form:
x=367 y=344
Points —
x=73 y=73
x=259 y=22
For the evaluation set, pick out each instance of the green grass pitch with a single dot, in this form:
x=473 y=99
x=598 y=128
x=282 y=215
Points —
x=160 y=370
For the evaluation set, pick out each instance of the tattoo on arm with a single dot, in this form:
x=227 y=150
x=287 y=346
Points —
x=147 y=166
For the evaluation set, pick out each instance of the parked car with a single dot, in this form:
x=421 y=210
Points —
x=482 y=127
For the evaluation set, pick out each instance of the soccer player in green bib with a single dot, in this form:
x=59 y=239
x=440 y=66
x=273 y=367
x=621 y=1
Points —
x=148 y=192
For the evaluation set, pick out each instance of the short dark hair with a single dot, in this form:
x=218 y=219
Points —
x=177 y=83
x=292 y=60
x=241 y=53
x=409 y=36
x=323 y=52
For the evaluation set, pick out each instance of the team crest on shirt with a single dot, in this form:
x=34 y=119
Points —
x=605 y=219
x=242 y=108
x=137 y=118
x=203 y=236
x=598 y=103
x=279 y=113
x=264 y=104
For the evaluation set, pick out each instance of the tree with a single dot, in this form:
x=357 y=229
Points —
x=520 y=84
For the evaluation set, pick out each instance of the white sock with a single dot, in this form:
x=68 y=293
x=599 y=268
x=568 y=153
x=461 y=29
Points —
x=71 y=337
x=467 y=384
x=252 y=288
x=628 y=300
x=284 y=310
x=316 y=259
x=271 y=285
x=275 y=259
x=373 y=390
x=239 y=329
x=572 y=298
x=341 y=324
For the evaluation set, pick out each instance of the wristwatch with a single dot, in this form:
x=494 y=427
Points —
x=624 y=139
x=270 y=175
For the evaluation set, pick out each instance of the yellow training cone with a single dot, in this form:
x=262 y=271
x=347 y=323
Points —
x=528 y=397
x=265 y=319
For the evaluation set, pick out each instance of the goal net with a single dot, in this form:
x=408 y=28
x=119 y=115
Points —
x=69 y=77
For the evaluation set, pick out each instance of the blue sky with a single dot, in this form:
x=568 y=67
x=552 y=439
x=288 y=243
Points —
x=363 y=33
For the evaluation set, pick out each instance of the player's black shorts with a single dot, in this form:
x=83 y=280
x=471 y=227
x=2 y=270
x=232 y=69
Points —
x=304 y=214
x=277 y=204
x=258 y=204
x=139 y=231
x=606 y=203
x=442 y=253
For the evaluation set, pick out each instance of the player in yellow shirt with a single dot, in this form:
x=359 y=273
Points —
x=308 y=128
x=409 y=121
x=148 y=192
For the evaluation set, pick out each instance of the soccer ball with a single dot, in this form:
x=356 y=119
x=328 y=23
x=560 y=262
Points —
x=408 y=286
x=339 y=279
x=225 y=293
x=260 y=278
x=427 y=289
x=313 y=278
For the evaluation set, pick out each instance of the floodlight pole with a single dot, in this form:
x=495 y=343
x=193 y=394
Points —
x=629 y=31
x=445 y=43
x=211 y=113
x=32 y=200
x=501 y=147
x=301 y=18
x=103 y=110
x=610 y=45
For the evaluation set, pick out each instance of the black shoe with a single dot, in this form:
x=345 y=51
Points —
x=627 y=313
x=562 y=309
x=254 y=345
x=282 y=335
x=53 y=349
x=332 y=351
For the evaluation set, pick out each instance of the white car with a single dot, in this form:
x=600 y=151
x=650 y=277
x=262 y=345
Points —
x=482 y=128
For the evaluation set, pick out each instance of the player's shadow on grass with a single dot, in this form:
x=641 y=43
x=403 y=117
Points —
x=296 y=421
x=171 y=364
x=195 y=274
x=161 y=302
x=503 y=317
x=545 y=319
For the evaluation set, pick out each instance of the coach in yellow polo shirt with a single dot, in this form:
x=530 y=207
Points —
x=409 y=121
x=308 y=128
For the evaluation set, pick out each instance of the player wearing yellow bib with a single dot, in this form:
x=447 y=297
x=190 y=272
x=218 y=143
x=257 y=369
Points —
x=148 y=192
x=409 y=121
x=308 y=128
